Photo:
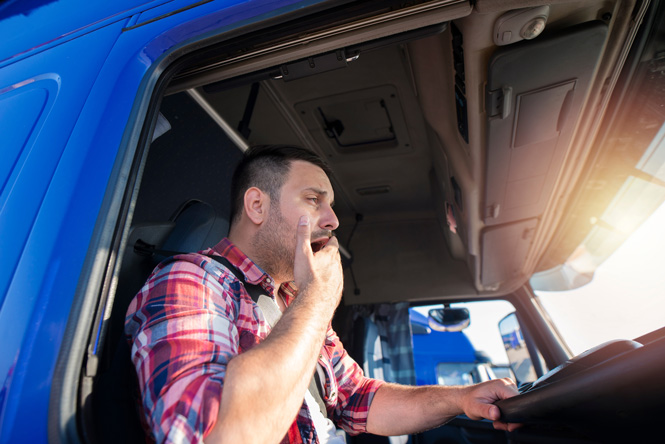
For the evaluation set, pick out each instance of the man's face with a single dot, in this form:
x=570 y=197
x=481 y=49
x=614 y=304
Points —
x=306 y=191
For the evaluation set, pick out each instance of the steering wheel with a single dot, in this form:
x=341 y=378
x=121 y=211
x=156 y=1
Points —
x=610 y=391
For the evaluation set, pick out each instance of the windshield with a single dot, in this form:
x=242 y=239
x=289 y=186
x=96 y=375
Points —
x=624 y=299
x=606 y=277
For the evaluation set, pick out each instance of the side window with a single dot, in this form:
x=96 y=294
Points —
x=183 y=200
x=460 y=344
x=193 y=159
x=182 y=206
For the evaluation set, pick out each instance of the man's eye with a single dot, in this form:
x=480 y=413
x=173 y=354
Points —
x=313 y=199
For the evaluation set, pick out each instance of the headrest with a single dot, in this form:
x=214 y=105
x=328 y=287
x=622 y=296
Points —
x=197 y=227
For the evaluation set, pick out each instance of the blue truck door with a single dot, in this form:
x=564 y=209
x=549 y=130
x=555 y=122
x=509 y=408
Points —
x=76 y=80
x=41 y=99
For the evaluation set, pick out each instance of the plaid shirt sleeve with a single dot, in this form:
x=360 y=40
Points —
x=349 y=404
x=186 y=324
x=183 y=335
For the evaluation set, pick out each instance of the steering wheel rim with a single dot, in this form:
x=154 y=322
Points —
x=629 y=385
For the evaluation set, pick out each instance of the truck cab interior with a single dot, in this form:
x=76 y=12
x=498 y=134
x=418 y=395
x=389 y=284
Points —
x=470 y=143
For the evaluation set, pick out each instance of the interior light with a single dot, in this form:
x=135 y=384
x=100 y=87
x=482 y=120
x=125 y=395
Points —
x=520 y=24
x=533 y=28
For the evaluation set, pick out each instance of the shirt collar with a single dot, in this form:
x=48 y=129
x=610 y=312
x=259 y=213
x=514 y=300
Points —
x=252 y=272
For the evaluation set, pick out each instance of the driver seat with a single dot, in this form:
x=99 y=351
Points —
x=195 y=226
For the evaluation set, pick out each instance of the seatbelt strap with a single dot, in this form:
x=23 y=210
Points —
x=273 y=314
x=267 y=305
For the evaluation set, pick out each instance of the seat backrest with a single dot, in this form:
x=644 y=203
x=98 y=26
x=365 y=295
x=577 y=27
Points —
x=195 y=226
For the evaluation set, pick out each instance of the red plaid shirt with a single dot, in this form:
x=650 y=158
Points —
x=190 y=319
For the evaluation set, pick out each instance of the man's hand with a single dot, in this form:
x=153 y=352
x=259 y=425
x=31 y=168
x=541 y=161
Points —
x=269 y=380
x=318 y=274
x=478 y=401
x=401 y=409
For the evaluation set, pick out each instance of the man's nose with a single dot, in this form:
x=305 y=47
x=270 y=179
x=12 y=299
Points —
x=328 y=220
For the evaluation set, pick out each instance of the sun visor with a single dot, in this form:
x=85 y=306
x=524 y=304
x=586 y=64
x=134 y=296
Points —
x=534 y=96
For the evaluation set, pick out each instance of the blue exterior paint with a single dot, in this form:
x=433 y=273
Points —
x=75 y=84
x=435 y=347
x=31 y=26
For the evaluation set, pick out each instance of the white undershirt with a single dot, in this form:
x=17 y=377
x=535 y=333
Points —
x=325 y=428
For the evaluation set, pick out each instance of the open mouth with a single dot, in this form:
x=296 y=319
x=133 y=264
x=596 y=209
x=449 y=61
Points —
x=319 y=244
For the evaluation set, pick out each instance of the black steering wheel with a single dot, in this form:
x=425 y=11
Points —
x=610 y=392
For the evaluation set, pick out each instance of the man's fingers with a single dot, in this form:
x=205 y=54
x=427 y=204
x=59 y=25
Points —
x=484 y=395
x=506 y=426
x=507 y=390
x=302 y=272
x=303 y=236
x=493 y=413
x=485 y=411
x=324 y=271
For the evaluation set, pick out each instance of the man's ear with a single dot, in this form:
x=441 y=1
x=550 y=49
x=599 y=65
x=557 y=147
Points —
x=257 y=205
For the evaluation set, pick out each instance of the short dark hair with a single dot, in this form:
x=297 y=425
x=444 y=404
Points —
x=266 y=168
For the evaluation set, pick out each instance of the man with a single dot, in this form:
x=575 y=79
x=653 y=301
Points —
x=207 y=367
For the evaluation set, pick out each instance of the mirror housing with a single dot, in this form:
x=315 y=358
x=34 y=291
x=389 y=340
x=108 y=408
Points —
x=449 y=319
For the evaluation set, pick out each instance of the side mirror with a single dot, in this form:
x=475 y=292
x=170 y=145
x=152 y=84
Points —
x=516 y=349
x=449 y=319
